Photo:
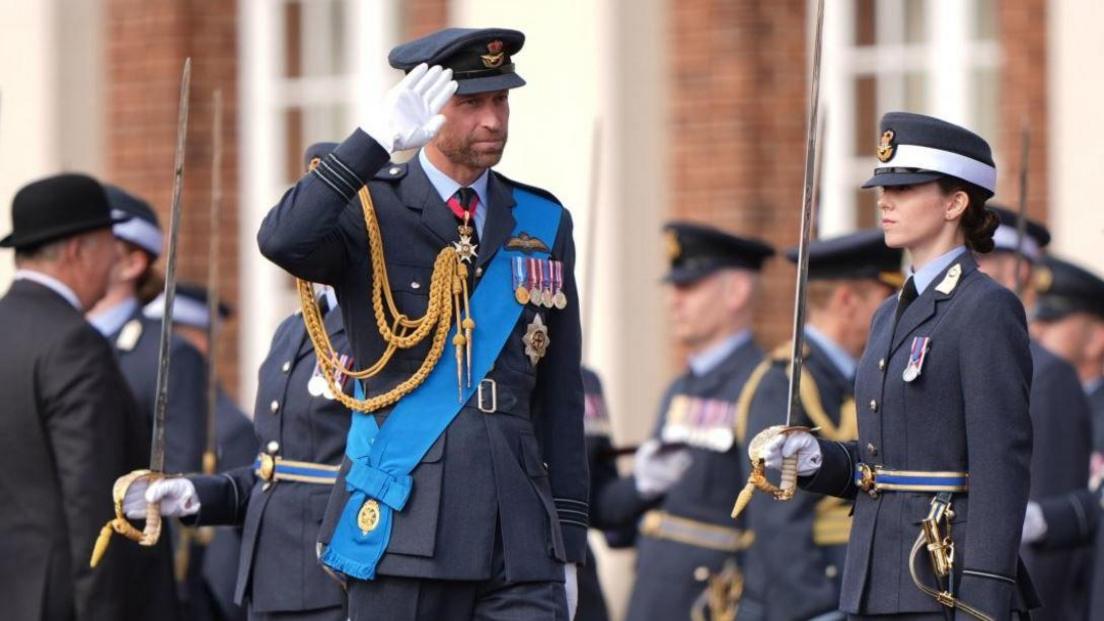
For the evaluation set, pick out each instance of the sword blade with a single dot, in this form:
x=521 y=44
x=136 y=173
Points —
x=157 y=448
x=1021 y=216
x=806 y=224
x=209 y=459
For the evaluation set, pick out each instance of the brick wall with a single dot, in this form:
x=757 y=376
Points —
x=147 y=43
x=1023 y=87
x=421 y=17
x=737 y=122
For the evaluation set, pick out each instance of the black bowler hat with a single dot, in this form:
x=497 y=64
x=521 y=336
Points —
x=1007 y=236
x=142 y=228
x=696 y=251
x=56 y=207
x=317 y=151
x=915 y=149
x=855 y=256
x=481 y=59
x=1065 y=288
x=189 y=306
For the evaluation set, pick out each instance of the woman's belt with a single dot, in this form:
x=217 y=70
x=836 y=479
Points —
x=271 y=468
x=662 y=525
x=875 y=479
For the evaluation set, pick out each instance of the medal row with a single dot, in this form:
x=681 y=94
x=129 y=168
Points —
x=539 y=282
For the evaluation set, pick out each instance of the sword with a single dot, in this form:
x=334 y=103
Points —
x=1021 y=216
x=757 y=479
x=149 y=535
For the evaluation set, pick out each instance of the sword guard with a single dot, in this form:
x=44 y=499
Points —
x=757 y=479
x=148 y=536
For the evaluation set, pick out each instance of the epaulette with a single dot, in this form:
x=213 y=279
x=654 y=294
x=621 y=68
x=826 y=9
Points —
x=543 y=193
x=129 y=335
x=811 y=405
x=393 y=171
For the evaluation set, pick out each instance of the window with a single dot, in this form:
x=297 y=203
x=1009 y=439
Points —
x=938 y=57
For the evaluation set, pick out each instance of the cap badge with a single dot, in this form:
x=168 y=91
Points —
x=494 y=59
x=886 y=146
x=673 y=247
x=1044 y=279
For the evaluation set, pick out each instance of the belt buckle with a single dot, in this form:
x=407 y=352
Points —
x=868 y=483
x=267 y=470
x=494 y=396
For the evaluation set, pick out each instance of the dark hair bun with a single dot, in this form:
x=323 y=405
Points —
x=979 y=223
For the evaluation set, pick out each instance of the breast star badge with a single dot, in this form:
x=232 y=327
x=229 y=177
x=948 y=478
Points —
x=536 y=340
x=466 y=249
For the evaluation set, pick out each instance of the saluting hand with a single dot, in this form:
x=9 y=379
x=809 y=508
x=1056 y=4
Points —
x=411 y=110
x=177 y=496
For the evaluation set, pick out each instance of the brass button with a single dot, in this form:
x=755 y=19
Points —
x=272 y=447
x=873 y=405
x=478 y=272
x=881 y=364
x=701 y=574
x=831 y=571
x=415 y=285
x=870 y=448
x=286 y=367
x=274 y=406
x=394 y=170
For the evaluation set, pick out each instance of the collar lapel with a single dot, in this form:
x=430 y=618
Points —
x=419 y=194
x=500 y=219
x=943 y=287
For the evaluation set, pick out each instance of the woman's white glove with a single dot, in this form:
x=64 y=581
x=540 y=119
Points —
x=657 y=470
x=410 y=116
x=177 y=496
x=800 y=443
x=571 y=588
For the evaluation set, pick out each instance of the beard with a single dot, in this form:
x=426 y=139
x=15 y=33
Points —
x=473 y=151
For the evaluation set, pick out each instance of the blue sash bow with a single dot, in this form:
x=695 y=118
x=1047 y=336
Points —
x=379 y=480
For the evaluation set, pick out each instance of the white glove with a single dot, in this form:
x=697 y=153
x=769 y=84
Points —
x=656 y=471
x=571 y=588
x=1034 y=526
x=800 y=443
x=177 y=496
x=410 y=115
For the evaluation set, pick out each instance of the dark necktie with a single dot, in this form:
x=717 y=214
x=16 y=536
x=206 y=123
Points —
x=908 y=294
x=465 y=202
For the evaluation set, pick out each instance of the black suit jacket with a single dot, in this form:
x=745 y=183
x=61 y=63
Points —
x=68 y=429
x=520 y=473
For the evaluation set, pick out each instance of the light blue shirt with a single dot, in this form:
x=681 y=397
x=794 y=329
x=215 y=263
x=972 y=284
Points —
x=705 y=361
x=446 y=186
x=51 y=283
x=927 y=274
x=110 y=321
x=1091 y=385
x=840 y=358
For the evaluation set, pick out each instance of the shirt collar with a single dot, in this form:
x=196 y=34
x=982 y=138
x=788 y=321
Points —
x=843 y=361
x=705 y=361
x=111 y=320
x=51 y=283
x=925 y=275
x=1091 y=385
x=446 y=186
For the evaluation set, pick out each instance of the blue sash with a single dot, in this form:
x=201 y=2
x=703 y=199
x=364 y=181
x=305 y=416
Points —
x=379 y=479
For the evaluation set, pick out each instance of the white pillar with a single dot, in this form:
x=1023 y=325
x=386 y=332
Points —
x=837 y=100
x=949 y=65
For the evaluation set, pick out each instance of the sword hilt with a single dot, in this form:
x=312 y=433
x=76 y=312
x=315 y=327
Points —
x=757 y=480
x=150 y=533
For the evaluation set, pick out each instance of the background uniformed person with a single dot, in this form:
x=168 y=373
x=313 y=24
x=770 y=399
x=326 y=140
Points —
x=942 y=390
x=792 y=570
x=497 y=514
x=68 y=426
x=686 y=537
x=279 y=500
x=211 y=566
x=603 y=469
x=1060 y=505
x=1069 y=321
